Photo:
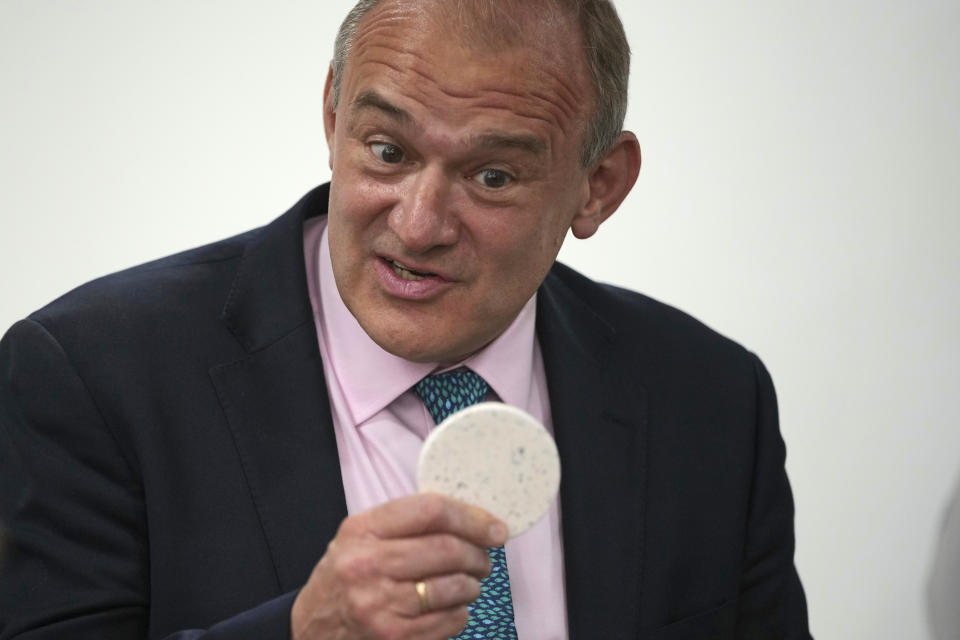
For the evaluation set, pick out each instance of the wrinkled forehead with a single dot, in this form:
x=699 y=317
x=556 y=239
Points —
x=498 y=24
x=509 y=61
x=543 y=31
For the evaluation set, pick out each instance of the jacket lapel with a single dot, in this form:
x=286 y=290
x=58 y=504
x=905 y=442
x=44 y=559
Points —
x=599 y=419
x=275 y=398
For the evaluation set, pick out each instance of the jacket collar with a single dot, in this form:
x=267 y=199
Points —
x=269 y=294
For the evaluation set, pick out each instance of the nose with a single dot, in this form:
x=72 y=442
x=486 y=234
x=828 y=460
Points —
x=424 y=218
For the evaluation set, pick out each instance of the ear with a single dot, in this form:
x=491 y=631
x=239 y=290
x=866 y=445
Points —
x=608 y=183
x=329 y=113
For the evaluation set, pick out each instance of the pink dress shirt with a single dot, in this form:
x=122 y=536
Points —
x=380 y=425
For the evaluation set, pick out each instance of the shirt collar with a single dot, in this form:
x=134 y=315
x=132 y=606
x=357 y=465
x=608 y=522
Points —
x=372 y=378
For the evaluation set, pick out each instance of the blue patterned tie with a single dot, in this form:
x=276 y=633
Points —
x=491 y=616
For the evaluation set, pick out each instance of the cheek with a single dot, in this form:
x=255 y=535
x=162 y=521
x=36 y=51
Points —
x=528 y=239
x=355 y=205
x=347 y=224
x=355 y=195
x=551 y=239
x=518 y=259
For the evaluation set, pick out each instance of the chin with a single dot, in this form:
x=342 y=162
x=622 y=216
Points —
x=424 y=349
x=419 y=353
x=404 y=343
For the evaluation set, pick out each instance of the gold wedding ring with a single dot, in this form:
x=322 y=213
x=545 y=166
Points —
x=422 y=593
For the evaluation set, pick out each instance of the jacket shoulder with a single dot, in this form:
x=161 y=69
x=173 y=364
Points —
x=636 y=317
x=197 y=279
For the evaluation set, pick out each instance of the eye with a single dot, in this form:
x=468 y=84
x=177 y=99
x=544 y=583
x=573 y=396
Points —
x=493 y=178
x=386 y=152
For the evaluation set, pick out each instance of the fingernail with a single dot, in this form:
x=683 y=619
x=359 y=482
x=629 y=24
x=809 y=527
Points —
x=498 y=532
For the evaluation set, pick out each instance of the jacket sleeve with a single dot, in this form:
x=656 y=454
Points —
x=75 y=559
x=771 y=603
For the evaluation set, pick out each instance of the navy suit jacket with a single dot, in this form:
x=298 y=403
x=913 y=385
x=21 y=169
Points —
x=169 y=467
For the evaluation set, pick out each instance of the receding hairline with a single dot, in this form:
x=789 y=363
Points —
x=592 y=27
x=484 y=26
x=492 y=30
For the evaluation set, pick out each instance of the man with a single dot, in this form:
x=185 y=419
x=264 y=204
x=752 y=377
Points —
x=184 y=441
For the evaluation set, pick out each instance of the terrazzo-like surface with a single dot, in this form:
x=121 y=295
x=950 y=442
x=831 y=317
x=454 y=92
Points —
x=496 y=457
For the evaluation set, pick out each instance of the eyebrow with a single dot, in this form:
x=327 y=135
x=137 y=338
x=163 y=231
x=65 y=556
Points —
x=490 y=140
x=373 y=100
x=529 y=143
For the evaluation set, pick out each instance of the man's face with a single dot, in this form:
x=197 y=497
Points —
x=456 y=175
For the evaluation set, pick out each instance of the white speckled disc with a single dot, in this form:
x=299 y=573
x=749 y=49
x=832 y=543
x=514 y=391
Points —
x=496 y=457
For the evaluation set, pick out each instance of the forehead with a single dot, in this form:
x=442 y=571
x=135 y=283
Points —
x=457 y=61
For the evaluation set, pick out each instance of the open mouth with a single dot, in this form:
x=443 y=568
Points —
x=406 y=273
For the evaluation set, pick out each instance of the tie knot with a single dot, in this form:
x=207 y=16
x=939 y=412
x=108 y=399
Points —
x=446 y=393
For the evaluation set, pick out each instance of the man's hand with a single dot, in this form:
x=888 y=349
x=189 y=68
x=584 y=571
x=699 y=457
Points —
x=365 y=584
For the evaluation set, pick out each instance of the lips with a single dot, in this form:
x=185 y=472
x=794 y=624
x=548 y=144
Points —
x=410 y=282
x=406 y=272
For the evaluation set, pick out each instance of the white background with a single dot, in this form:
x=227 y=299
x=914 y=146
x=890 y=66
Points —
x=800 y=193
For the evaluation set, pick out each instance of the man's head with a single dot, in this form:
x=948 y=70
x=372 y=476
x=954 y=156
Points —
x=465 y=142
x=604 y=47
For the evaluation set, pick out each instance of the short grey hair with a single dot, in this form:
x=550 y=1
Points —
x=606 y=53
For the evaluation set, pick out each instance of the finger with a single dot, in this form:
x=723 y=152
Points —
x=386 y=621
x=425 y=513
x=445 y=623
x=431 y=555
x=440 y=593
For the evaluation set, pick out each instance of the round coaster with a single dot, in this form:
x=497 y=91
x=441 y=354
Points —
x=496 y=457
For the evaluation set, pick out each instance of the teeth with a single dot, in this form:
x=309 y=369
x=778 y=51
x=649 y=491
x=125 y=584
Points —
x=405 y=273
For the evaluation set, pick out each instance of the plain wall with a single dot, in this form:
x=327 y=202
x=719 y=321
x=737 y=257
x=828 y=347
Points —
x=800 y=193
